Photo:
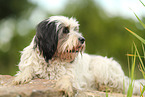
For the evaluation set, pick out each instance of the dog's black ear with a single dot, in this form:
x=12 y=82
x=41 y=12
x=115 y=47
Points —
x=46 y=39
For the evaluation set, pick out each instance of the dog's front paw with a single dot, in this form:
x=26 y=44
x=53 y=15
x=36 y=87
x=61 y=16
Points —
x=65 y=86
x=22 y=79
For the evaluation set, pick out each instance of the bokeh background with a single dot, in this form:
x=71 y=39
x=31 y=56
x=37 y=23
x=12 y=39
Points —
x=102 y=23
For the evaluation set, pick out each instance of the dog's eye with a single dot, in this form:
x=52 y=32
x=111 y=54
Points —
x=66 y=30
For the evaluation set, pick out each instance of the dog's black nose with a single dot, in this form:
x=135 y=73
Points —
x=82 y=40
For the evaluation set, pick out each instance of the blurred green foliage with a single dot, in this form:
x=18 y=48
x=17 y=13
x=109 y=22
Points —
x=104 y=35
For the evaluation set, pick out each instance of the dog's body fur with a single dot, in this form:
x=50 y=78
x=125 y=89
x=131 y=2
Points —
x=68 y=65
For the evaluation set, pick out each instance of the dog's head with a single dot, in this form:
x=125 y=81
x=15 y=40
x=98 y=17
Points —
x=59 y=37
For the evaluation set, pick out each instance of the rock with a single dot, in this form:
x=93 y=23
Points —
x=41 y=88
x=35 y=88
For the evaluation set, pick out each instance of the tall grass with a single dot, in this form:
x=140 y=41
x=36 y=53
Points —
x=130 y=88
x=137 y=55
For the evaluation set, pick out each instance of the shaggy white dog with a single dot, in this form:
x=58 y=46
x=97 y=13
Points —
x=56 y=53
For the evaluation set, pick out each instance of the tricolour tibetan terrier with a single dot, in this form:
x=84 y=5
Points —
x=57 y=53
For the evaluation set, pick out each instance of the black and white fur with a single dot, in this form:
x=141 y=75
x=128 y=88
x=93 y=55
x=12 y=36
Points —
x=57 y=53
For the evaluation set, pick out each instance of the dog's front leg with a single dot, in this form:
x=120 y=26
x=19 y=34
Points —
x=65 y=84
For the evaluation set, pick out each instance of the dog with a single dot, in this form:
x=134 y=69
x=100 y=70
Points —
x=57 y=53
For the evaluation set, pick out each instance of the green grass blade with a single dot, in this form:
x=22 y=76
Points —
x=143 y=51
x=128 y=64
x=142 y=3
x=131 y=55
x=142 y=65
x=133 y=67
x=130 y=88
x=106 y=94
x=142 y=71
x=137 y=36
x=139 y=20
x=142 y=91
x=138 y=55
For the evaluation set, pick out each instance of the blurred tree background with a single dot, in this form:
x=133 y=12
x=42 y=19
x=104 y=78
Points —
x=104 y=35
